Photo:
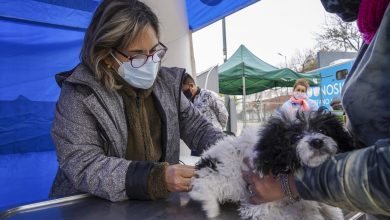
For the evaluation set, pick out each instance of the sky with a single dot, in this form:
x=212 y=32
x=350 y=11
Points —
x=266 y=28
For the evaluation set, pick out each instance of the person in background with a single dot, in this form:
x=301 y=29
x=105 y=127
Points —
x=299 y=100
x=336 y=108
x=207 y=102
x=336 y=105
x=120 y=115
x=357 y=180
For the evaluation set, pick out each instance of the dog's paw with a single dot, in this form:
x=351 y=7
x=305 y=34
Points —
x=211 y=207
x=212 y=212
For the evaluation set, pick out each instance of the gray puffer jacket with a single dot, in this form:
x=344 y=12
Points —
x=90 y=135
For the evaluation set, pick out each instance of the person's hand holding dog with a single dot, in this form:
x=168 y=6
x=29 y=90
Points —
x=265 y=189
x=178 y=177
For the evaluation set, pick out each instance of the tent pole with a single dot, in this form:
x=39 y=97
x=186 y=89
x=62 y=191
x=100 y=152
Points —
x=321 y=104
x=227 y=99
x=243 y=99
x=224 y=40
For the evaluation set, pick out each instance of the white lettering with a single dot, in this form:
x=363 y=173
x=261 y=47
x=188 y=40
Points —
x=329 y=90
x=336 y=89
x=332 y=89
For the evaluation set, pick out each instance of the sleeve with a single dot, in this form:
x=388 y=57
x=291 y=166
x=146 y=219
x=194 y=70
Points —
x=219 y=109
x=195 y=130
x=286 y=109
x=82 y=153
x=313 y=105
x=357 y=180
x=157 y=186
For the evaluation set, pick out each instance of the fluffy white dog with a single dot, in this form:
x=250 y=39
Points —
x=282 y=146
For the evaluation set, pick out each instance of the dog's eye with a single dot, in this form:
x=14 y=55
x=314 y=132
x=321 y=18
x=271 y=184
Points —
x=296 y=137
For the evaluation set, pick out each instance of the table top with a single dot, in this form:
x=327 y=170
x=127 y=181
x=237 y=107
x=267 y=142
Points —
x=86 y=207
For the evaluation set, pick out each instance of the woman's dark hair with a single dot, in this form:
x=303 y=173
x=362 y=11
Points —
x=187 y=79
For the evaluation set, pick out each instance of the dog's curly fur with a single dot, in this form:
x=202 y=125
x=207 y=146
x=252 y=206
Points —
x=282 y=145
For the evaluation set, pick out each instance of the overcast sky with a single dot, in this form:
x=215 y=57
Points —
x=266 y=28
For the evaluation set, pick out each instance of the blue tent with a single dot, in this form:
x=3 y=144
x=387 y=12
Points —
x=201 y=13
x=39 y=38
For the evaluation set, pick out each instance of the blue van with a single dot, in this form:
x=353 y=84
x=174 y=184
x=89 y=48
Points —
x=332 y=81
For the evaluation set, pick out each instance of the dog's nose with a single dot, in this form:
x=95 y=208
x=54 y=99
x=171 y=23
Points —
x=317 y=143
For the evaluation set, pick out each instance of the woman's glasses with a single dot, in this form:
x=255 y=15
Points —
x=139 y=60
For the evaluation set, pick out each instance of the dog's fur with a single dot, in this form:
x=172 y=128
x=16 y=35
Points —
x=281 y=146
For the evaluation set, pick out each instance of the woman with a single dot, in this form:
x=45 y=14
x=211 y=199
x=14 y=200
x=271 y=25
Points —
x=120 y=117
x=299 y=100
x=359 y=180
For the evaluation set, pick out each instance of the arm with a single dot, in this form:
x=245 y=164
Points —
x=286 y=109
x=195 y=130
x=219 y=109
x=358 y=180
x=81 y=149
x=313 y=105
x=86 y=156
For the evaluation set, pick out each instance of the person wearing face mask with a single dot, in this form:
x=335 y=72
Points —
x=120 y=115
x=206 y=101
x=299 y=99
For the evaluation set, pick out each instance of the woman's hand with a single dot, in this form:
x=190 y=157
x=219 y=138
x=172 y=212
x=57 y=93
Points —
x=265 y=189
x=178 y=177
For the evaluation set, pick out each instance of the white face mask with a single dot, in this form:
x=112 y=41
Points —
x=300 y=95
x=142 y=77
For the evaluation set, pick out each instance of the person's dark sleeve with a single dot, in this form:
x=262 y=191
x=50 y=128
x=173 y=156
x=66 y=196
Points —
x=145 y=180
x=195 y=130
x=137 y=176
x=358 y=180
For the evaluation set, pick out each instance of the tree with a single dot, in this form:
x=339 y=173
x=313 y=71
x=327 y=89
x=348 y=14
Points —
x=303 y=61
x=338 y=34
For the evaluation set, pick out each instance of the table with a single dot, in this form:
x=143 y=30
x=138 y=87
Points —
x=87 y=207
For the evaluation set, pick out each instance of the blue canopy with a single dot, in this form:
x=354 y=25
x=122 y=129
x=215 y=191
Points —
x=201 y=13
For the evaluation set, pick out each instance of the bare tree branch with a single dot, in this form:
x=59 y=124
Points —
x=303 y=61
x=339 y=35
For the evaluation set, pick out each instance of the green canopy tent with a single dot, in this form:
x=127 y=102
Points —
x=244 y=73
x=258 y=75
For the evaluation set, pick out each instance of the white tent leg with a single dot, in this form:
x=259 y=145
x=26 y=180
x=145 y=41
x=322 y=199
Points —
x=243 y=100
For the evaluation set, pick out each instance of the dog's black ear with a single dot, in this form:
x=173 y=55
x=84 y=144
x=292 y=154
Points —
x=274 y=151
x=343 y=138
x=326 y=120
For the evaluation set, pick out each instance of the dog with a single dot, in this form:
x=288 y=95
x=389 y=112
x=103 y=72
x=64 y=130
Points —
x=282 y=146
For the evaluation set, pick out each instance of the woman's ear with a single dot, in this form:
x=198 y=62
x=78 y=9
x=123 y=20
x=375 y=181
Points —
x=192 y=87
x=108 y=62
